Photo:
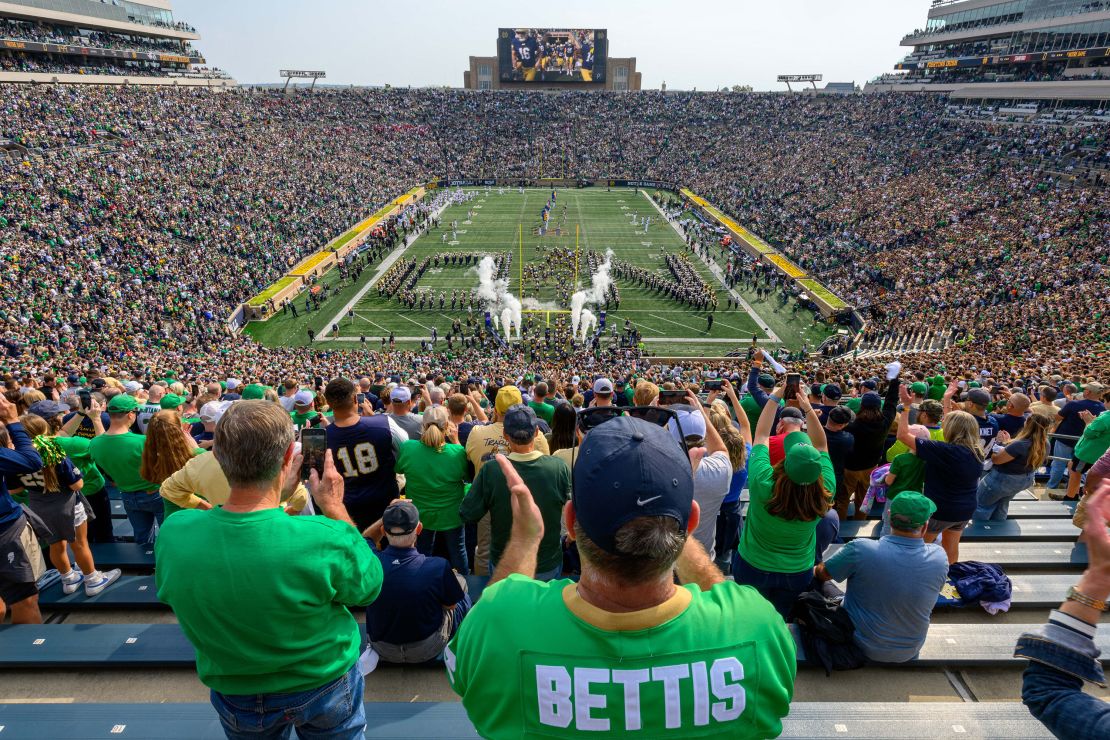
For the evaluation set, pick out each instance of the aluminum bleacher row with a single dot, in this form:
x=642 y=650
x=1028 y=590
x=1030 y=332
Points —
x=1036 y=546
x=448 y=721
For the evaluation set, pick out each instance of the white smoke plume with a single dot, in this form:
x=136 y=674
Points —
x=588 y=322
x=497 y=298
x=599 y=289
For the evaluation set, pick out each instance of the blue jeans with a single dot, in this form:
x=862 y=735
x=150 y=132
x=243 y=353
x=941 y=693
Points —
x=996 y=490
x=1059 y=468
x=729 y=523
x=145 y=512
x=781 y=589
x=334 y=711
x=828 y=529
x=1052 y=686
x=456 y=546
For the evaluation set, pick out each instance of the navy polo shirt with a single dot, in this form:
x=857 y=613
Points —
x=414 y=593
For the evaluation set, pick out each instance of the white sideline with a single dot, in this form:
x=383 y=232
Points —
x=720 y=275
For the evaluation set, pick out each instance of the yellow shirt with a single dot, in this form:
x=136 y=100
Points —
x=203 y=474
x=486 y=441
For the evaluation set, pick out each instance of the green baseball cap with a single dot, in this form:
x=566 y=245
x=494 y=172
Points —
x=171 y=401
x=795 y=438
x=122 y=404
x=910 y=510
x=254 y=392
x=803 y=463
x=919 y=388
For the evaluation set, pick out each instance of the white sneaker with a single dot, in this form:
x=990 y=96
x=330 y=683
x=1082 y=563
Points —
x=71 y=580
x=107 y=578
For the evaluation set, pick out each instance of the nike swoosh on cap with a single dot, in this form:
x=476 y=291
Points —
x=645 y=502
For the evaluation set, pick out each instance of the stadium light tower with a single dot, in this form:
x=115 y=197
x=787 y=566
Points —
x=289 y=74
x=811 y=79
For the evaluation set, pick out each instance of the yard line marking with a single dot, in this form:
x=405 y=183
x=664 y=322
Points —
x=369 y=321
x=684 y=326
x=406 y=318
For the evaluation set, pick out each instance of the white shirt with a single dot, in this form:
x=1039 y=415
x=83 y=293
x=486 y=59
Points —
x=711 y=485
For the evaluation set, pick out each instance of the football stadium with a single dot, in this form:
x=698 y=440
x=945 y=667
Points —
x=558 y=403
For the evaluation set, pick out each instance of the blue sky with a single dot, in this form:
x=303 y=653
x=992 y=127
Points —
x=691 y=44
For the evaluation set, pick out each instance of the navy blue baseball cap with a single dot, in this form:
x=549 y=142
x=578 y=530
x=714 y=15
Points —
x=628 y=468
x=520 y=423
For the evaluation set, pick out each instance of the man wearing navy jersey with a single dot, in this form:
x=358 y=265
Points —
x=526 y=49
x=365 y=448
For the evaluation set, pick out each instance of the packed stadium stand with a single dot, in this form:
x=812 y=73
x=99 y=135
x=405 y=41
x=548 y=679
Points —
x=1032 y=49
x=968 y=240
x=102 y=43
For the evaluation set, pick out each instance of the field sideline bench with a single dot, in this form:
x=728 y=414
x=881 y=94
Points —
x=448 y=721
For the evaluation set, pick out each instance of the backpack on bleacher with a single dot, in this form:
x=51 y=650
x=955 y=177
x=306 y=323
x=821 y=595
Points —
x=826 y=630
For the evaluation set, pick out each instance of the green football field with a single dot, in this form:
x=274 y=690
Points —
x=603 y=221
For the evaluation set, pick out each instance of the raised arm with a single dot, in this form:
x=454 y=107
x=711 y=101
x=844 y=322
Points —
x=741 y=416
x=905 y=436
x=713 y=441
x=767 y=417
x=814 y=429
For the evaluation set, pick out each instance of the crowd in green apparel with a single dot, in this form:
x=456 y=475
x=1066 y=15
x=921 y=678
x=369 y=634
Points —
x=186 y=209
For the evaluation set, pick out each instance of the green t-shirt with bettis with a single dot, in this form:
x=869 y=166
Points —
x=534 y=659
x=769 y=542
x=263 y=596
x=119 y=456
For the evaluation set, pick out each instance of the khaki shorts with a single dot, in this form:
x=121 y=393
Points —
x=21 y=562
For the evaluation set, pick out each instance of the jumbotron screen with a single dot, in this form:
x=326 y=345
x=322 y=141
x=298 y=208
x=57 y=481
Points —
x=552 y=54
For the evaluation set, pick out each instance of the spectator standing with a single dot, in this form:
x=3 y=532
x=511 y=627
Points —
x=365 y=449
x=304 y=413
x=738 y=443
x=262 y=673
x=1014 y=463
x=21 y=563
x=400 y=411
x=1012 y=417
x=840 y=442
x=779 y=543
x=869 y=430
x=714 y=475
x=167 y=449
x=547 y=478
x=893 y=582
x=99 y=526
x=539 y=403
x=119 y=454
x=422 y=601
x=53 y=495
x=1070 y=424
x=1091 y=445
x=632 y=518
x=952 y=471
x=434 y=467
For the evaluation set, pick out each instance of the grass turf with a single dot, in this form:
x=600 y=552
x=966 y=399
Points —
x=604 y=222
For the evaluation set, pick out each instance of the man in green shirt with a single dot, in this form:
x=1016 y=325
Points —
x=262 y=595
x=119 y=454
x=538 y=404
x=549 y=479
x=625 y=651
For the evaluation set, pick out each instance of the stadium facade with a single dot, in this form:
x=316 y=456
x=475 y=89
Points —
x=90 y=41
x=1008 y=49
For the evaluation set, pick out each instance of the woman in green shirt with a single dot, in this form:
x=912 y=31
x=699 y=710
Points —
x=778 y=544
x=435 y=473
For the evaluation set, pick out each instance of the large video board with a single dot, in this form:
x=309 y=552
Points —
x=552 y=55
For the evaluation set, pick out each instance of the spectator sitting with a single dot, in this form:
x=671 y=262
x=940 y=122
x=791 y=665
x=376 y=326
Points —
x=262 y=673
x=547 y=477
x=422 y=601
x=893 y=582
x=1013 y=467
x=631 y=517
